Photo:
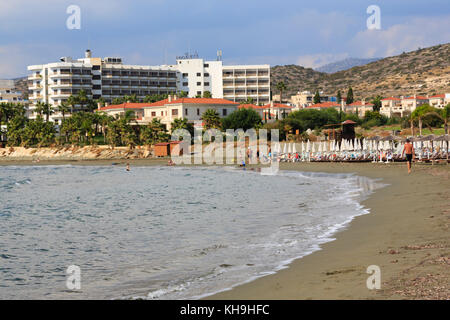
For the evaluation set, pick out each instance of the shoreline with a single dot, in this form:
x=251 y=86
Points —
x=406 y=237
x=405 y=234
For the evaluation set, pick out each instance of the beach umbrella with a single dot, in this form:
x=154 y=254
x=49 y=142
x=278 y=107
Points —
x=332 y=146
x=302 y=147
x=313 y=149
x=308 y=146
x=294 y=149
x=285 y=148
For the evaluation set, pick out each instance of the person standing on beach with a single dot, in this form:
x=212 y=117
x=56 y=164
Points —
x=408 y=149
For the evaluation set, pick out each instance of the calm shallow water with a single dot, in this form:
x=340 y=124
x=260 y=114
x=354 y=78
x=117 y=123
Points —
x=161 y=232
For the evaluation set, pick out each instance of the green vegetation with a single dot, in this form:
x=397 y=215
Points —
x=242 y=119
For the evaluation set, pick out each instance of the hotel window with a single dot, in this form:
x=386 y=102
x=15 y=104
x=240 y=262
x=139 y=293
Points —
x=199 y=93
x=198 y=111
x=199 y=74
x=186 y=111
x=174 y=112
x=185 y=75
x=185 y=84
x=224 y=112
x=206 y=74
x=206 y=65
x=162 y=113
x=207 y=84
x=199 y=83
x=153 y=113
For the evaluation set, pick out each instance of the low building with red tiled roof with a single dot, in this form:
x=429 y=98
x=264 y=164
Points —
x=325 y=105
x=169 y=109
x=359 y=107
x=437 y=100
x=277 y=110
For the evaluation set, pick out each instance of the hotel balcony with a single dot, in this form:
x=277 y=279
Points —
x=35 y=77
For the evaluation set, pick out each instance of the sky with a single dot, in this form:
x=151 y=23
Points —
x=154 y=32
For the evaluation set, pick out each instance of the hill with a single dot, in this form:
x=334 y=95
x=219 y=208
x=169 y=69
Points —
x=344 y=64
x=423 y=71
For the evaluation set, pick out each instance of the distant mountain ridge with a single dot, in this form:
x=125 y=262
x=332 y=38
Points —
x=345 y=64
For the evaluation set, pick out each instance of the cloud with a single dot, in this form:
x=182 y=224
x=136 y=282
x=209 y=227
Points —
x=417 y=32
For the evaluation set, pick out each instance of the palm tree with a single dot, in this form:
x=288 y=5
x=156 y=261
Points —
x=63 y=108
x=47 y=110
x=211 y=119
x=281 y=86
x=445 y=115
x=422 y=112
x=72 y=101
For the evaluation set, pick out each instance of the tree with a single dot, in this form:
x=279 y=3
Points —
x=445 y=114
x=211 y=119
x=180 y=123
x=377 y=103
x=349 y=96
x=281 y=86
x=154 y=132
x=207 y=94
x=424 y=112
x=244 y=118
x=63 y=108
x=43 y=108
x=317 y=97
x=339 y=96
x=182 y=94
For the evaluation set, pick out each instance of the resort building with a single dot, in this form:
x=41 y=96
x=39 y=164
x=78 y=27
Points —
x=276 y=111
x=306 y=98
x=173 y=108
x=236 y=83
x=8 y=92
x=437 y=101
x=247 y=81
x=391 y=106
x=109 y=78
x=358 y=107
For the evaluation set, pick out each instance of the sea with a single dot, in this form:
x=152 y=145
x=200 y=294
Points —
x=159 y=232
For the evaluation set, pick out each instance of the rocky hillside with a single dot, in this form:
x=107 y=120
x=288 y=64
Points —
x=424 y=71
x=344 y=64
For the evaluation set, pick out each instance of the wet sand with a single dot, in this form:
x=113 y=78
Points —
x=406 y=234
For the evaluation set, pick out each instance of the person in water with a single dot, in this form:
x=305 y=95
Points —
x=408 y=150
x=128 y=167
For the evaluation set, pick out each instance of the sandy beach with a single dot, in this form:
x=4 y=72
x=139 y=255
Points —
x=405 y=234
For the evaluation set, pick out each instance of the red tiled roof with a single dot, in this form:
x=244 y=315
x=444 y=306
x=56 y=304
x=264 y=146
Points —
x=327 y=104
x=359 y=103
x=202 y=101
x=126 y=105
x=250 y=106
x=349 y=122
x=278 y=105
x=391 y=98
x=438 y=96
x=417 y=97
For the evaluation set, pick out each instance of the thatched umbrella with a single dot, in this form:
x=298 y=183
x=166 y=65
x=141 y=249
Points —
x=443 y=138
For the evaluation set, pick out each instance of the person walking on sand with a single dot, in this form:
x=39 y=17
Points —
x=408 y=149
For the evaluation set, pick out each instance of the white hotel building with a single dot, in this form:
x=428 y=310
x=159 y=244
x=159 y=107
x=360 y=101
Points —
x=109 y=78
